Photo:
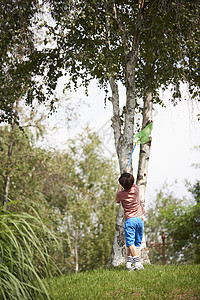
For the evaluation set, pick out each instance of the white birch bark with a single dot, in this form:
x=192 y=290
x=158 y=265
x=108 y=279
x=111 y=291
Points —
x=123 y=133
x=118 y=252
x=124 y=145
x=143 y=165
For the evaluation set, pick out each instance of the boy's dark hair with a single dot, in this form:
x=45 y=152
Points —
x=126 y=180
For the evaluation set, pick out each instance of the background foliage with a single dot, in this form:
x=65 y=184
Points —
x=73 y=191
x=179 y=218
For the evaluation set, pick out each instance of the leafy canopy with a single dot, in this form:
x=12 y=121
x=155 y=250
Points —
x=96 y=39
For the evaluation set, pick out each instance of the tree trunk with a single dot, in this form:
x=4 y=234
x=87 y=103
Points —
x=123 y=133
x=118 y=252
x=76 y=250
x=6 y=190
x=144 y=164
x=124 y=144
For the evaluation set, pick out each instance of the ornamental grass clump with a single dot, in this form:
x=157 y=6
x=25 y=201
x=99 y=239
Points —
x=25 y=244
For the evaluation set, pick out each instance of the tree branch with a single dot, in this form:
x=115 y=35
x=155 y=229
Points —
x=116 y=121
x=121 y=28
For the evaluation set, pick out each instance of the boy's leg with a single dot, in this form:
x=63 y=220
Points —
x=133 y=248
x=129 y=262
x=130 y=239
x=134 y=256
x=136 y=259
x=131 y=226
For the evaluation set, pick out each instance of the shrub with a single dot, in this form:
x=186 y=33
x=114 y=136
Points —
x=25 y=244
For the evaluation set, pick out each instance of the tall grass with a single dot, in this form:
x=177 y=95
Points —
x=24 y=256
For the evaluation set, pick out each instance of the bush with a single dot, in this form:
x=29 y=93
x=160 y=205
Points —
x=25 y=244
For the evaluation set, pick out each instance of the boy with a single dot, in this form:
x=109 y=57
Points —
x=133 y=213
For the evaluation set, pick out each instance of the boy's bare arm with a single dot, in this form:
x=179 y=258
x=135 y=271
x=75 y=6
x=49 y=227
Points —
x=119 y=188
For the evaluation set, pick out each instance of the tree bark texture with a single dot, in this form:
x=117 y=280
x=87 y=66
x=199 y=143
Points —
x=144 y=164
x=123 y=135
x=123 y=131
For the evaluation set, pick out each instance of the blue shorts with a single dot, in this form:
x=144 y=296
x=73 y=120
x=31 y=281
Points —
x=134 y=231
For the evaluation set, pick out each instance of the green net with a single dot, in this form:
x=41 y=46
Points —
x=143 y=136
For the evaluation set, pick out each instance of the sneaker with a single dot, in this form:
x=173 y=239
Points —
x=137 y=268
x=129 y=266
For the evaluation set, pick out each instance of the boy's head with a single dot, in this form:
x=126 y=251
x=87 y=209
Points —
x=126 y=180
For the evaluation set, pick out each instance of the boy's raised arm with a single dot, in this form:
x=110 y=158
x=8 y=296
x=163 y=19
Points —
x=119 y=188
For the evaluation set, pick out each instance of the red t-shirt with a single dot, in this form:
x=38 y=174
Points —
x=130 y=202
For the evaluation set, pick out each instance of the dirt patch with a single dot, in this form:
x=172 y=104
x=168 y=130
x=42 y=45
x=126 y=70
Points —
x=181 y=294
x=135 y=293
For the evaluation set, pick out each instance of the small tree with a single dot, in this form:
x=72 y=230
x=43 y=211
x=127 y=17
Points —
x=85 y=199
x=179 y=219
x=164 y=203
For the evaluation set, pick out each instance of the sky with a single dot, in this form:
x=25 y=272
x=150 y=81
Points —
x=175 y=132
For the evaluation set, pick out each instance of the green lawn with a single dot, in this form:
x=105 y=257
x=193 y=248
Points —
x=154 y=282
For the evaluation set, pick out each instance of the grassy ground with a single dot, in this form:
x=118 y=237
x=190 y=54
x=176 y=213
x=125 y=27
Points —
x=154 y=282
